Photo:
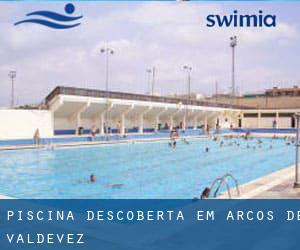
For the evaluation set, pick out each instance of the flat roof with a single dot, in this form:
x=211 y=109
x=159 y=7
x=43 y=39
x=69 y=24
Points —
x=61 y=90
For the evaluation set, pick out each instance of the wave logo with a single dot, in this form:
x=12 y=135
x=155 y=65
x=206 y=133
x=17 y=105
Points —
x=53 y=20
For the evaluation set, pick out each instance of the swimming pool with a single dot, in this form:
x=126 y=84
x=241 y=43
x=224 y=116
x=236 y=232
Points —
x=147 y=170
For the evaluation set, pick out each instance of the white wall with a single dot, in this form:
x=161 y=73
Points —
x=266 y=122
x=64 y=123
x=22 y=124
x=284 y=122
x=249 y=122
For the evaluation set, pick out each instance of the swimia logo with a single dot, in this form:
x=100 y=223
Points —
x=52 y=19
x=242 y=20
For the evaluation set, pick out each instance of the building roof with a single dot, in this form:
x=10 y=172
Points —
x=60 y=90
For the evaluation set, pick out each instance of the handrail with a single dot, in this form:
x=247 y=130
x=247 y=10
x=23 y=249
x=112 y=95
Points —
x=220 y=181
x=235 y=182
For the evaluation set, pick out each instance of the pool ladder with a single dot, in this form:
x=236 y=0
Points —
x=223 y=180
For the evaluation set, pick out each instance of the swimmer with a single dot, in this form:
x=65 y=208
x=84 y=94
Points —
x=207 y=149
x=248 y=146
x=185 y=141
x=174 y=144
x=92 y=178
x=117 y=185
x=270 y=147
x=205 y=193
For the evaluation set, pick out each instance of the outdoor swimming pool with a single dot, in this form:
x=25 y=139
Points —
x=147 y=170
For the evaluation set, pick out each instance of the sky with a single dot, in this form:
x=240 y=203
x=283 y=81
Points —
x=144 y=34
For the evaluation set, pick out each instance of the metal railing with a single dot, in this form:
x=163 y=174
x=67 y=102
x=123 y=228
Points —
x=60 y=90
x=220 y=182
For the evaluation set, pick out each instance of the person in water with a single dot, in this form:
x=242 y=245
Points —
x=207 y=149
x=205 y=193
x=93 y=178
x=185 y=141
x=117 y=185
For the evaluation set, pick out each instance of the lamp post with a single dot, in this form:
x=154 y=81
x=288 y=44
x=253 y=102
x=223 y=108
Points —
x=233 y=44
x=107 y=51
x=149 y=72
x=188 y=69
x=217 y=91
x=297 y=181
x=12 y=75
x=153 y=72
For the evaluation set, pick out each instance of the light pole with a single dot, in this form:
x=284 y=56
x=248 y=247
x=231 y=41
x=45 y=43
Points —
x=153 y=72
x=107 y=51
x=233 y=44
x=12 y=75
x=188 y=69
x=217 y=91
x=153 y=79
x=149 y=72
x=297 y=181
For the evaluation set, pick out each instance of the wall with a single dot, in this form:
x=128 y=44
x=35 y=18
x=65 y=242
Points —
x=284 y=122
x=22 y=124
x=282 y=102
x=250 y=122
x=266 y=122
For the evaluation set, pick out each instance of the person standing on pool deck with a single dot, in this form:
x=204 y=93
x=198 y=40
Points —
x=119 y=127
x=93 y=132
x=36 y=137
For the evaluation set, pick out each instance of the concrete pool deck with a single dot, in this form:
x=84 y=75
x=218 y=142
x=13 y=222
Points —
x=130 y=140
x=101 y=142
x=277 y=185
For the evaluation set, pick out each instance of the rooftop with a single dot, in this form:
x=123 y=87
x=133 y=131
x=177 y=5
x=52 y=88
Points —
x=60 y=90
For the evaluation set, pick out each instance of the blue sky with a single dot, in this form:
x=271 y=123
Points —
x=167 y=35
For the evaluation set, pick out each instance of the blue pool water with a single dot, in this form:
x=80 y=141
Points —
x=147 y=170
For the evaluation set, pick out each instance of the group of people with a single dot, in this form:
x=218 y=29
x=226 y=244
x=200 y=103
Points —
x=174 y=135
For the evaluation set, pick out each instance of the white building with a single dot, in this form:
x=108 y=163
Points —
x=70 y=109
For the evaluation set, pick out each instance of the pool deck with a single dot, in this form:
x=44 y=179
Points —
x=277 y=185
x=98 y=142
x=130 y=140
